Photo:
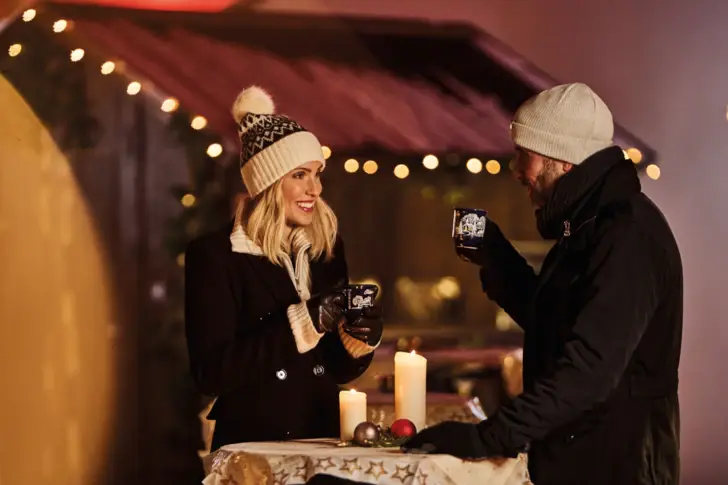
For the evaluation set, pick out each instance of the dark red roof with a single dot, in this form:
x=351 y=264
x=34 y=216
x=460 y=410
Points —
x=395 y=86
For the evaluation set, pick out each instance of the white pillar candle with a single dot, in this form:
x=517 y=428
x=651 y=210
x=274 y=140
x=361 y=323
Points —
x=410 y=388
x=352 y=411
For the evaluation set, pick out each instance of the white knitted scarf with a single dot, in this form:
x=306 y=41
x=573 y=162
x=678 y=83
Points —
x=299 y=319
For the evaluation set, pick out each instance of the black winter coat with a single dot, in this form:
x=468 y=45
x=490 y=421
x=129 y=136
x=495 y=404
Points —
x=242 y=349
x=603 y=326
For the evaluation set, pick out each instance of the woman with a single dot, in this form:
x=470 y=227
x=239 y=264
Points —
x=266 y=329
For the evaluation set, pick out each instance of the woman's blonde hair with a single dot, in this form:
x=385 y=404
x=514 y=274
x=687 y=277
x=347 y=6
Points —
x=264 y=222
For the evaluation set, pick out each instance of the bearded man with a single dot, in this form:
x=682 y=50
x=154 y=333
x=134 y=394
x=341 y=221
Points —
x=602 y=319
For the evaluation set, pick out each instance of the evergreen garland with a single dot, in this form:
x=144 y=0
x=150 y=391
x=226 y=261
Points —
x=211 y=207
x=53 y=86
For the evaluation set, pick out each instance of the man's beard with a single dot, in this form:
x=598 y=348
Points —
x=545 y=182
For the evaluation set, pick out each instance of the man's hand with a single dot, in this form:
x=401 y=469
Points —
x=450 y=438
x=475 y=256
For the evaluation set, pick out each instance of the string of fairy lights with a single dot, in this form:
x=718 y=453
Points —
x=430 y=162
x=214 y=150
x=134 y=87
x=473 y=165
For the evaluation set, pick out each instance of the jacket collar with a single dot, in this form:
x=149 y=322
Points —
x=580 y=194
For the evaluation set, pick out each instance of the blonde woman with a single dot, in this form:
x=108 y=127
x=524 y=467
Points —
x=266 y=329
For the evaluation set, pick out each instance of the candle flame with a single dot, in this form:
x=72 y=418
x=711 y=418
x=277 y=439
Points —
x=413 y=353
x=353 y=391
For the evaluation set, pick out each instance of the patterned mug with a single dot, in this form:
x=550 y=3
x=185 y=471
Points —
x=468 y=227
x=359 y=297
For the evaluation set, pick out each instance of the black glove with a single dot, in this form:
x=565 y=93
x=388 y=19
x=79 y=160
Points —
x=367 y=326
x=476 y=256
x=327 y=311
x=449 y=438
x=463 y=440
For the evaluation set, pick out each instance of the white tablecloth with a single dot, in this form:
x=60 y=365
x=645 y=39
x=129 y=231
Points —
x=293 y=463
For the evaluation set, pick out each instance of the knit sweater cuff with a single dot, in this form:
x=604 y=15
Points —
x=303 y=329
x=355 y=347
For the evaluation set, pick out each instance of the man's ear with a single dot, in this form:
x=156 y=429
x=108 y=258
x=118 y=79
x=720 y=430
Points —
x=566 y=166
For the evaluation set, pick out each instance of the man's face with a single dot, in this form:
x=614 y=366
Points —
x=538 y=174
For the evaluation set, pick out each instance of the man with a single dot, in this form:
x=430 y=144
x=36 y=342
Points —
x=602 y=320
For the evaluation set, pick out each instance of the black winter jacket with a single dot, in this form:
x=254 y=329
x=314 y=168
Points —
x=603 y=325
x=242 y=349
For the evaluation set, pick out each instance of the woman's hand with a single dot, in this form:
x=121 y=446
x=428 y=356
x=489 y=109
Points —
x=326 y=311
x=367 y=327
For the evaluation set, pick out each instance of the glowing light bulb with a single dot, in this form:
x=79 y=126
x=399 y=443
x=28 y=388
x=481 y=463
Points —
x=214 y=150
x=77 y=55
x=326 y=151
x=15 y=50
x=634 y=154
x=370 y=167
x=29 y=15
x=169 y=105
x=351 y=165
x=653 y=171
x=59 y=26
x=188 y=200
x=107 y=67
x=492 y=167
x=133 y=88
x=401 y=171
x=430 y=162
x=474 y=165
x=198 y=122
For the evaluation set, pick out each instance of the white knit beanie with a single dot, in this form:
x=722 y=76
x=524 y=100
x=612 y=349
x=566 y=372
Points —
x=567 y=122
x=270 y=145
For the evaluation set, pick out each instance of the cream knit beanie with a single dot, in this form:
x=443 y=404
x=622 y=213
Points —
x=567 y=122
x=270 y=145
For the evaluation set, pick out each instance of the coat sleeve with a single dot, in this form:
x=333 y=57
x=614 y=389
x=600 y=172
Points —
x=346 y=357
x=506 y=277
x=621 y=291
x=222 y=358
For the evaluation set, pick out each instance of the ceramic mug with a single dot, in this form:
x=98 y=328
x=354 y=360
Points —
x=468 y=227
x=358 y=297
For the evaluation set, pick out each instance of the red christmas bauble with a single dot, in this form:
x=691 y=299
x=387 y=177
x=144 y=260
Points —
x=402 y=428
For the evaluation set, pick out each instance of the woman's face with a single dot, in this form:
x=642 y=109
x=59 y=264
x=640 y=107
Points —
x=301 y=187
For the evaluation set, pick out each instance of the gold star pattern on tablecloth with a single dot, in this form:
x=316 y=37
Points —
x=376 y=469
x=296 y=467
x=301 y=472
x=325 y=463
x=280 y=477
x=350 y=466
x=403 y=473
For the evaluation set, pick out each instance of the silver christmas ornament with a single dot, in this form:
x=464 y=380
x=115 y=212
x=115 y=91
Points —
x=366 y=433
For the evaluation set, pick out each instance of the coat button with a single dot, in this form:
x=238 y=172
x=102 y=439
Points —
x=282 y=374
x=569 y=439
x=318 y=370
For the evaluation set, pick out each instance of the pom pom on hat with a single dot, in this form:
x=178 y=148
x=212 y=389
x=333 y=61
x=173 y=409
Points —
x=252 y=100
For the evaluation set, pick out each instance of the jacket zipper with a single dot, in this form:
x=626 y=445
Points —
x=567 y=227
